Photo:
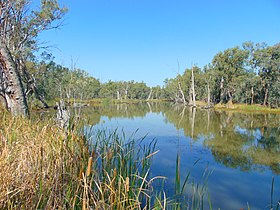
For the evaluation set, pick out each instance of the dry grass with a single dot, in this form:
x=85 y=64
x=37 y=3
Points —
x=39 y=163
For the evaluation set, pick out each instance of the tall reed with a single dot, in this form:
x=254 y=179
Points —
x=190 y=194
x=120 y=173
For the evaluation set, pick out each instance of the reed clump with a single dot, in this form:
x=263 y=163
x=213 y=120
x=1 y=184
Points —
x=39 y=164
x=119 y=176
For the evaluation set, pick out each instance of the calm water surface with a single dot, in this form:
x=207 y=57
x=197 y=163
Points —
x=240 y=151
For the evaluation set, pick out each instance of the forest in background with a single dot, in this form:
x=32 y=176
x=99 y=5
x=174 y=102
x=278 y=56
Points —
x=248 y=74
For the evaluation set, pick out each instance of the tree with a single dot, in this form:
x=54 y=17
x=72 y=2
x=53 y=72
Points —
x=267 y=61
x=19 y=27
x=193 y=89
x=229 y=65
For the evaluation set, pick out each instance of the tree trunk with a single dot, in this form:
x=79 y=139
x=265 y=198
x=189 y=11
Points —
x=40 y=98
x=221 y=90
x=181 y=92
x=126 y=92
x=150 y=95
x=14 y=92
x=252 y=95
x=265 y=96
x=62 y=115
x=118 y=95
x=193 y=90
x=209 y=95
x=229 y=95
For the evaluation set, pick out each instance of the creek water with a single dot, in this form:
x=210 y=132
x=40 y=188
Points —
x=234 y=155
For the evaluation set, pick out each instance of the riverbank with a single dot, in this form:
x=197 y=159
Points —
x=96 y=102
x=256 y=108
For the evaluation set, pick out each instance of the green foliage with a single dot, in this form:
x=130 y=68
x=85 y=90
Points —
x=248 y=74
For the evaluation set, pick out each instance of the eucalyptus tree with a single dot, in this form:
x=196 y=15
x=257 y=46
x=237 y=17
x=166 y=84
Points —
x=20 y=26
x=229 y=66
x=108 y=90
x=139 y=90
x=253 y=83
x=55 y=80
x=91 y=88
x=267 y=61
x=171 y=89
x=157 y=92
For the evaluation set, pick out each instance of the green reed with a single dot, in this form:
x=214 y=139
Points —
x=190 y=194
x=121 y=172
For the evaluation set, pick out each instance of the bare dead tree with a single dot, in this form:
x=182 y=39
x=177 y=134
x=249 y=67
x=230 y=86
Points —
x=193 y=90
x=62 y=115
x=181 y=91
x=150 y=94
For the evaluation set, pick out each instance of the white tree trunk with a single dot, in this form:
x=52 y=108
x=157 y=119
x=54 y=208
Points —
x=208 y=92
x=193 y=90
x=150 y=95
x=181 y=92
x=266 y=96
x=252 y=95
x=118 y=95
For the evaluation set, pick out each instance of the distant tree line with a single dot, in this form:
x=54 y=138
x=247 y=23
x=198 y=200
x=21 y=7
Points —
x=56 y=81
x=249 y=74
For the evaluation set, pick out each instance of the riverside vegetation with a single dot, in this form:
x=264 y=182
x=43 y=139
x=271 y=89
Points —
x=44 y=167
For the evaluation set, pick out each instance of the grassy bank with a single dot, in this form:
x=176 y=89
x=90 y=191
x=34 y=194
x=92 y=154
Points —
x=43 y=167
x=247 y=108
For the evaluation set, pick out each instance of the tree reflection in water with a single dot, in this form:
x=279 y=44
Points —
x=239 y=140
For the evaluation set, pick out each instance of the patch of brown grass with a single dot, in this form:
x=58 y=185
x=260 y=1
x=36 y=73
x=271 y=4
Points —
x=37 y=161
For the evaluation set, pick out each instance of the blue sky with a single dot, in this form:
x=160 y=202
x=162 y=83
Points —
x=142 y=40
